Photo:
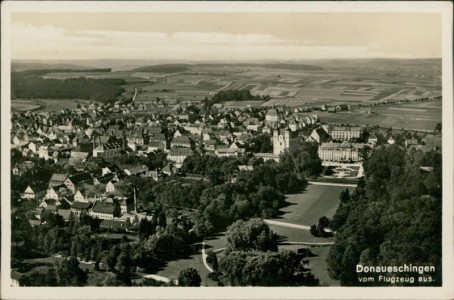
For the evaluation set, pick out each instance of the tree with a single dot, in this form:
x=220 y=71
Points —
x=438 y=127
x=69 y=273
x=146 y=228
x=189 y=277
x=124 y=266
x=212 y=259
x=254 y=234
x=245 y=268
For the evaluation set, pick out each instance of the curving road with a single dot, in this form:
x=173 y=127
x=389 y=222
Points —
x=204 y=258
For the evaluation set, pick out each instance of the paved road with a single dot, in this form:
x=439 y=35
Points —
x=204 y=258
x=157 y=277
x=135 y=94
x=285 y=224
x=310 y=244
x=332 y=183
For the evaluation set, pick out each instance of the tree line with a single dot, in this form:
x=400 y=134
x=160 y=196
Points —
x=26 y=86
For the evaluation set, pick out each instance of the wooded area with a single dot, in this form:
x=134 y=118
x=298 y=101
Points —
x=392 y=218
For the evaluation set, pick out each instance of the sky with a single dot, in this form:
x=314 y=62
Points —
x=224 y=36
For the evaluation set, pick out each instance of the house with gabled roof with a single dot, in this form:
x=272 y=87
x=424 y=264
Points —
x=35 y=190
x=107 y=146
x=78 y=208
x=136 y=137
x=135 y=170
x=156 y=145
x=57 y=179
x=210 y=145
x=105 y=210
x=104 y=179
x=79 y=197
x=110 y=187
x=126 y=205
x=21 y=168
x=75 y=180
x=50 y=204
x=319 y=135
x=20 y=139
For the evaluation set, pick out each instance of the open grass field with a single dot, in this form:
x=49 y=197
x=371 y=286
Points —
x=38 y=105
x=173 y=268
x=58 y=104
x=307 y=207
x=331 y=82
x=24 y=105
x=242 y=103
x=416 y=116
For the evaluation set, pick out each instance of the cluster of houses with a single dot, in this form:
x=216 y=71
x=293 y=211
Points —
x=102 y=196
x=75 y=138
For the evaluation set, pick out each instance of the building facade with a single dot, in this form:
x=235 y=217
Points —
x=340 y=152
x=346 y=133
x=283 y=139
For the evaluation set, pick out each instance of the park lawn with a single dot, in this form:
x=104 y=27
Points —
x=317 y=263
x=96 y=278
x=173 y=268
x=307 y=207
x=318 y=266
x=296 y=235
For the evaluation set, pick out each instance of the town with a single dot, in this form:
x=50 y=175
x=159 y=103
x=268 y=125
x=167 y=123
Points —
x=135 y=168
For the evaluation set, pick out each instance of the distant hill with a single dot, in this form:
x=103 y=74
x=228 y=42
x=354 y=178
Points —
x=17 y=66
x=167 y=68
x=287 y=66
x=292 y=66
x=176 y=68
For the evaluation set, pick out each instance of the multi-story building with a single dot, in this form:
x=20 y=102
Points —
x=346 y=133
x=105 y=210
x=78 y=208
x=181 y=141
x=178 y=155
x=284 y=139
x=110 y=147
x=340 y=152
x=272 y=115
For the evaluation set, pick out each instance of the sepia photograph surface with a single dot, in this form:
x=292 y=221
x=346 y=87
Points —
x=151 y=148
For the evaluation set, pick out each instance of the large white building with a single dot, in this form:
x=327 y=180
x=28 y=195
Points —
x=340 y=152
x=284 y=139
x=346 y=133
x=178 y=155
x=272 y=116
